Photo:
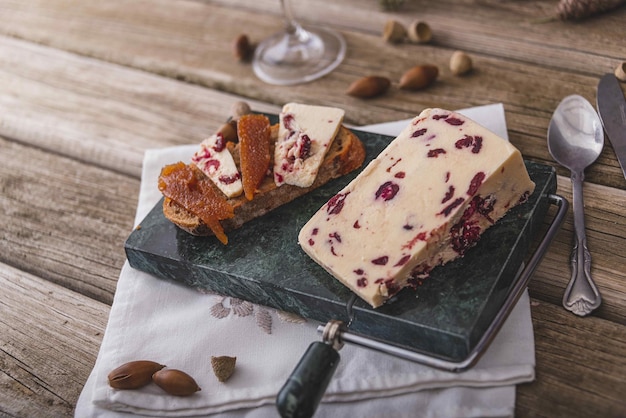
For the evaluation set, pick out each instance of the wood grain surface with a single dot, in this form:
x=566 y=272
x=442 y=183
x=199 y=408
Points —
x=86 y=87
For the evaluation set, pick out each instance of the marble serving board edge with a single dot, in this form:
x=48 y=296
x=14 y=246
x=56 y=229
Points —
x=263 y=263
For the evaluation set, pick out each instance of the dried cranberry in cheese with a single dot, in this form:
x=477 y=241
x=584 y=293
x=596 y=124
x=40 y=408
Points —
x=305 y=134
x=424 y=201
x=216 y=162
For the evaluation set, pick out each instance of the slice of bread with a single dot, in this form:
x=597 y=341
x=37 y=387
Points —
x=346 y=154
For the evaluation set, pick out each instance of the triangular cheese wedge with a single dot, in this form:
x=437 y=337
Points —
x=422 y=202
x=216 y=162
x=305 y=134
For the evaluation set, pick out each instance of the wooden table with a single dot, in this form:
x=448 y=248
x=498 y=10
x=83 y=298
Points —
x=87 y=86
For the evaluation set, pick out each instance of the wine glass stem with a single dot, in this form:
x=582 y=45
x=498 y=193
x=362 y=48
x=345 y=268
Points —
x=291 y=25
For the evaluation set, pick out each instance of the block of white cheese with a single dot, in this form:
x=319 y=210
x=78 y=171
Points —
x=216 y=162
x=305 y=134
x=422 y=202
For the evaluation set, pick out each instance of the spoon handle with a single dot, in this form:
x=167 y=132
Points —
x=581 y=295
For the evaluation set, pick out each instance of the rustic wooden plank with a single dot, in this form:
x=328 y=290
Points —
x=64 y=221
x=507 y=29
x=527 y=67
x=49 y=339
x=573 y=364
x=97 y=112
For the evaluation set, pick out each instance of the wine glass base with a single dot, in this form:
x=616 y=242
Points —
x=288 y=59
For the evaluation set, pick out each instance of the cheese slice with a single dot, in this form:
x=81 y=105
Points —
x=216 y=162
x=305 y=134
x=422 y=202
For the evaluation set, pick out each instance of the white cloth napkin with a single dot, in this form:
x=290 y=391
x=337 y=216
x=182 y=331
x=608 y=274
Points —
x=158 y=320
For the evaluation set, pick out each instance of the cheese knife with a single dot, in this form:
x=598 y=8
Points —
x=612 y=109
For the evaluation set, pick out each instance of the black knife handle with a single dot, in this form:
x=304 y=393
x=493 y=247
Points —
x=302 y=392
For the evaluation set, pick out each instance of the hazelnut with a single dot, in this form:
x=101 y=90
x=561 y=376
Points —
x=419 y=32
x=239 y=109
x=460 y=63
x=394 y=32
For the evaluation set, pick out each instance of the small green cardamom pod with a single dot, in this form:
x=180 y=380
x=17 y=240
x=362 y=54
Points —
x=134 y=374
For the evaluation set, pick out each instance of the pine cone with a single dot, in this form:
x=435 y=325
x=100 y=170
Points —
x=391 y=4
x=581 y=9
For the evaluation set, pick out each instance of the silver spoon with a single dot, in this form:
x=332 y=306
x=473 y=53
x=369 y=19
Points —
x=575 y=140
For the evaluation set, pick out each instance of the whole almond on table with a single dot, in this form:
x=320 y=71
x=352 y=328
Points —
x=134 y=374
x=242 y=48
x=370 y=86
x=419 y=77
x=175 y=382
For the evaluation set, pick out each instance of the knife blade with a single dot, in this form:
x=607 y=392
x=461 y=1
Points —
x=612 y=109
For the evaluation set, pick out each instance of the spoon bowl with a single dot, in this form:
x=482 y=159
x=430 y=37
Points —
x=575 y=140
x=575 y=134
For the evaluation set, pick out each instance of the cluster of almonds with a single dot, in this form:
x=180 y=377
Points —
x=416 y=78
x=139 y=373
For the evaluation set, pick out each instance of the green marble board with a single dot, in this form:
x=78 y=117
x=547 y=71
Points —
x=444 y=318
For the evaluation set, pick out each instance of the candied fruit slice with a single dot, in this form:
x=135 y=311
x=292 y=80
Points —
x=254 y=140
x=186 y=185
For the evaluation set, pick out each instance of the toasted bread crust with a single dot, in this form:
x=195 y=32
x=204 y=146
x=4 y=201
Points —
x=346 y=154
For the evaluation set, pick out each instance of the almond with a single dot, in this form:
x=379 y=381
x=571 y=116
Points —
x=419 y=77
x=229 y=131
x=370 y=86
x=175 y=382
x=134 y=374
x=242 y=48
